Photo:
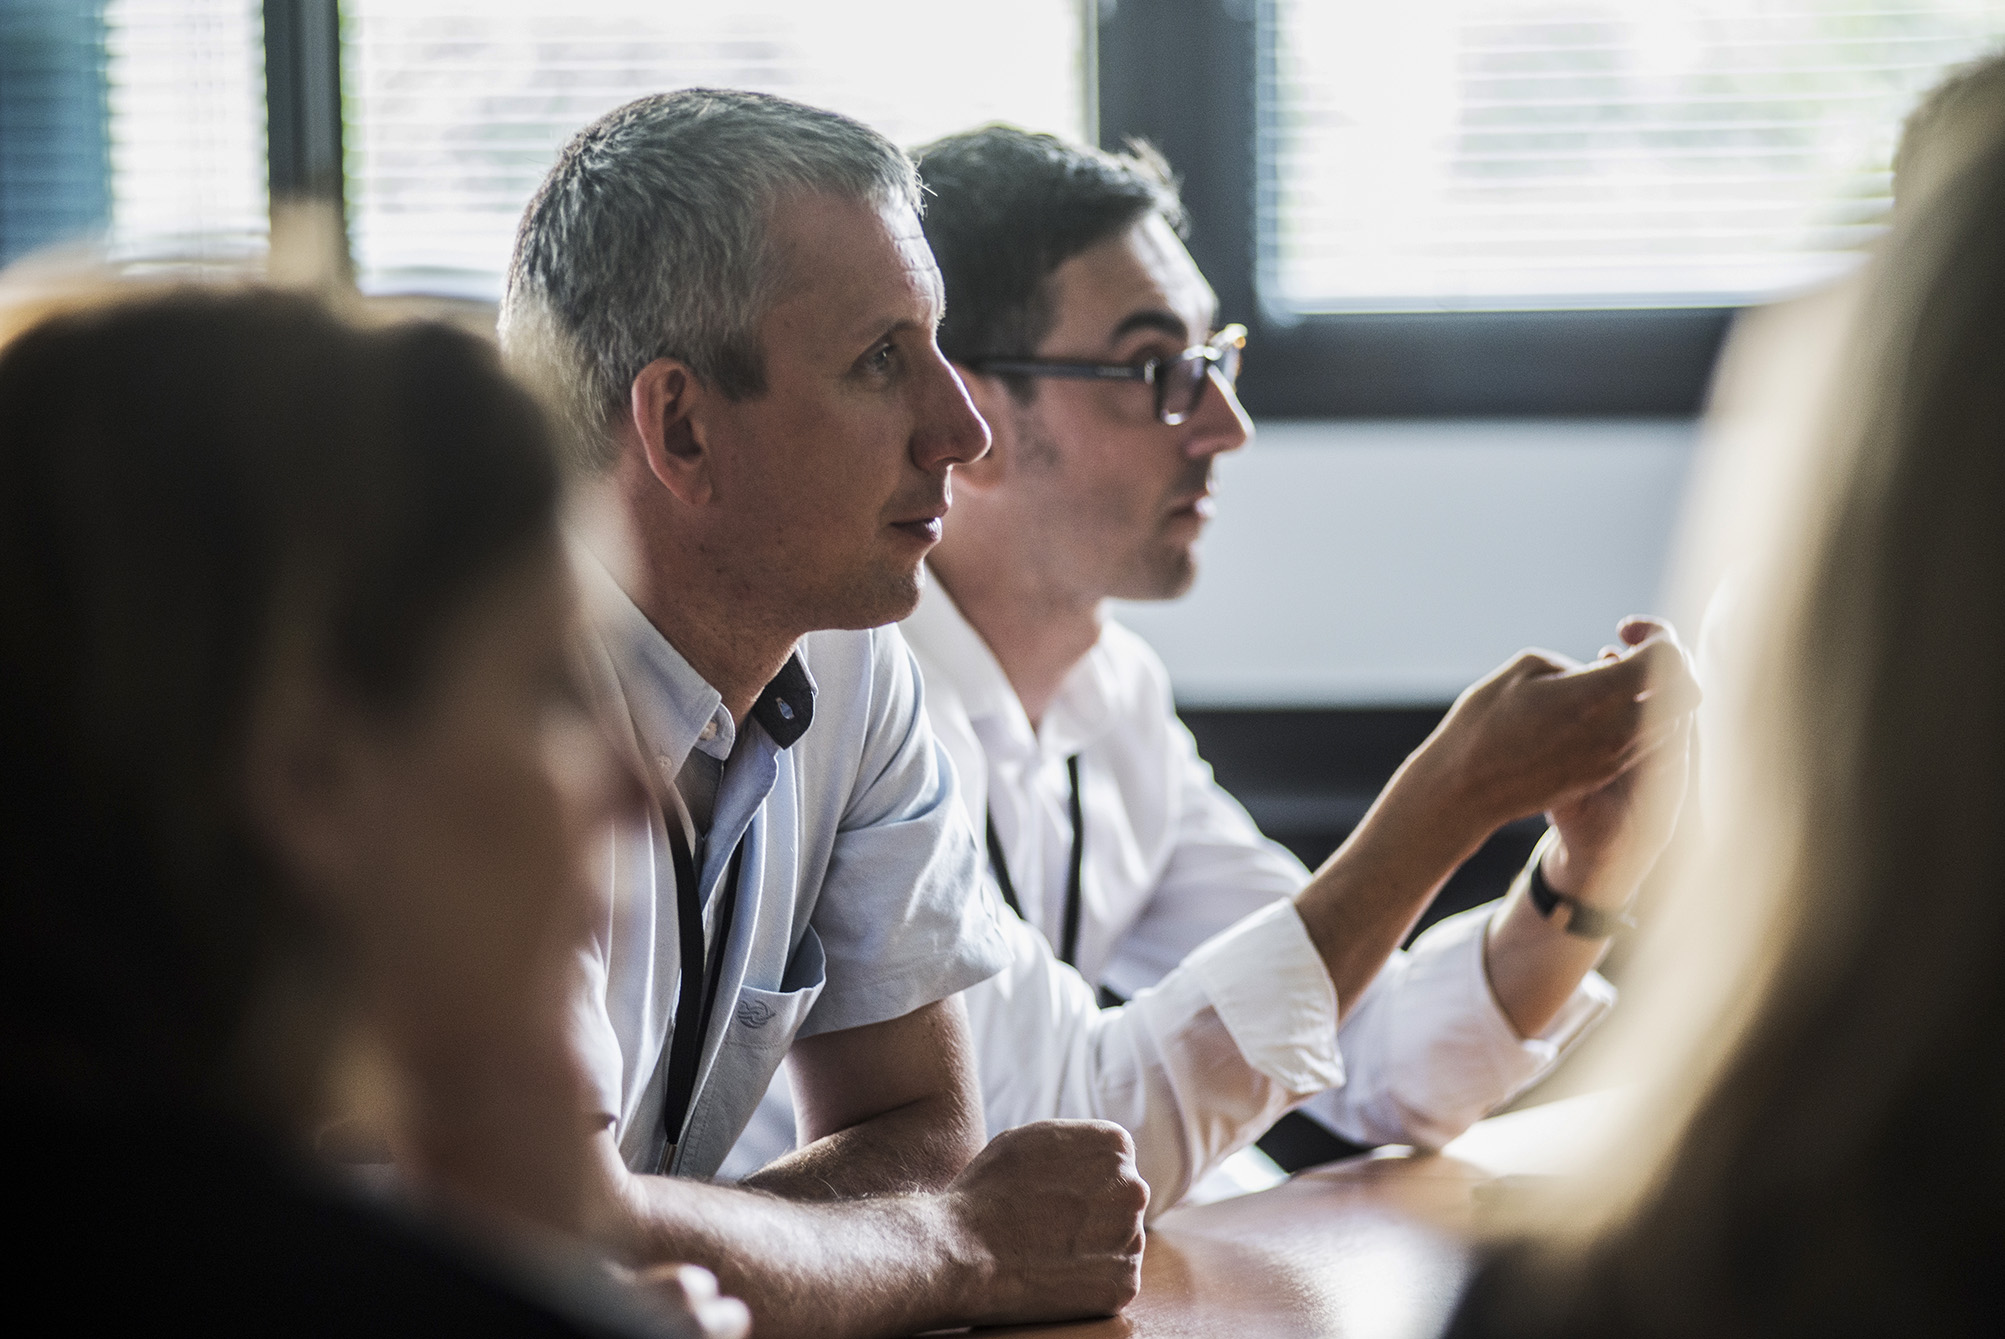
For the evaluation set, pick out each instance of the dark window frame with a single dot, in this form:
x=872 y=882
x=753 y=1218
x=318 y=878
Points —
x=303 y=99
x=1185 y=75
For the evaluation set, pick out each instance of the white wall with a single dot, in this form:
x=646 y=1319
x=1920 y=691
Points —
x=1382 y=563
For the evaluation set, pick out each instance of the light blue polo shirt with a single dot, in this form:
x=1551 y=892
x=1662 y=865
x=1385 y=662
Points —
x=857 y=897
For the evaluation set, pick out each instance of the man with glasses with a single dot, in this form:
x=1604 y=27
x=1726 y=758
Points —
x=1087 y=339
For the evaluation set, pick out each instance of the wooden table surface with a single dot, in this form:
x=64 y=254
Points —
x=1375 y=1247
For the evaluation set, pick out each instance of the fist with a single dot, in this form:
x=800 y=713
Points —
x=1052 y=1215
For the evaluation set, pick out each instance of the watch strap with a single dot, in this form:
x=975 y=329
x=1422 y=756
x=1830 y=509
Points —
x=1581 y=919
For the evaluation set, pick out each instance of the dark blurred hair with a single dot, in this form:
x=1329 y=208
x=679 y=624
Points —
x=193 y=484
x=1006 y=208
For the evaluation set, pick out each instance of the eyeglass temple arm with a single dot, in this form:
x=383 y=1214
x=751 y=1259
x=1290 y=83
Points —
x=1025 y=367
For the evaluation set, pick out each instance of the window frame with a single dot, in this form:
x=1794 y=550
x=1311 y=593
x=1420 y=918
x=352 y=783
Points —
x=303 y=157
x=1548 y=363
x=1616 y=362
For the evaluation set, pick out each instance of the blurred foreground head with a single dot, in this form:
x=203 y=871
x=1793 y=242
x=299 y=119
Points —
x=1952 y=124
x=221 y=512
x=1825 y=1151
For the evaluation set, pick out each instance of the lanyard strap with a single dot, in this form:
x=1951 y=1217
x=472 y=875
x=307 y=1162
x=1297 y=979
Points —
x=1068 y=951
x=696 y=996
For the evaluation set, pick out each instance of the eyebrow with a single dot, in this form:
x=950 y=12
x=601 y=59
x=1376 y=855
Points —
x=1153 y=318
x=884 y=323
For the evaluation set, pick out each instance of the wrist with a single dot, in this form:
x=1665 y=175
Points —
x=964 y=1268
x=1582 y=878
x=1570 y=912
x=1435 y=797
x=1563 y=872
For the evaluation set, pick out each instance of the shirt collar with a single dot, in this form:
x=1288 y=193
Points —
x=942 y=637
x=1083 y=710
x=678 y=710
x=786 y=707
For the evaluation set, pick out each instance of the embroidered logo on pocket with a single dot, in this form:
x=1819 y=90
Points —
x=754 y=1013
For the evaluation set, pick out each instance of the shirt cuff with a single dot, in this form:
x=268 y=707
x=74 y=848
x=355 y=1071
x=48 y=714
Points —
x=1270 y=989
x=1446 y=963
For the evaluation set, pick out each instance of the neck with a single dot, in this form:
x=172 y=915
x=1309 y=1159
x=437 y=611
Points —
x=1036 y=632
x=712 y=617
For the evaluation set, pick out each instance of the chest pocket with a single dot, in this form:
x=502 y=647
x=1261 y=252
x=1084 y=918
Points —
x=767 y=1018
x=763 y=1024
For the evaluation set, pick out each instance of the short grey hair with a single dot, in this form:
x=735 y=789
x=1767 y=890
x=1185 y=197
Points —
x=648 y=240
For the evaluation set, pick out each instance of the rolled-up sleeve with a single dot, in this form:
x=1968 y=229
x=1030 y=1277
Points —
x=900 y=915
x=1428 y=1050
x=1194 y=1067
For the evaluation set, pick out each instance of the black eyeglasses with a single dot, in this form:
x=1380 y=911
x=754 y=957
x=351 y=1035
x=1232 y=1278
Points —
x=1179 y=382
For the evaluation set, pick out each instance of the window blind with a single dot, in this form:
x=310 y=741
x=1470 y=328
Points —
x=186 y=105
x=137 y=124
x=1525 y=154
x=454 y=109
x=52 y=124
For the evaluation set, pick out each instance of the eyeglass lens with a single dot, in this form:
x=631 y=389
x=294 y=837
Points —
x=1180 y=385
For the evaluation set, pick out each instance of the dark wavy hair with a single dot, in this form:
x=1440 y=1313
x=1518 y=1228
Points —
x=191 y=482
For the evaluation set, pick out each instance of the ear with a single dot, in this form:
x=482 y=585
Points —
x=668 y=404
x=303 y=784
x=993 y=401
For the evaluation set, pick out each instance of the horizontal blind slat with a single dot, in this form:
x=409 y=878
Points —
x=1531 y=152
x=454 y=110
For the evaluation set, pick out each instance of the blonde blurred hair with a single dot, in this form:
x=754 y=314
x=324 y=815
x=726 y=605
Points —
x=1819 y=1144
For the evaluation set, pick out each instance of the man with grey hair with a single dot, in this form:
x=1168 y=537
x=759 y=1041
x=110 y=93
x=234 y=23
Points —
x=739 y=306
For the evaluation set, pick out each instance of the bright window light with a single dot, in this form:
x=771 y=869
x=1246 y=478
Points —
x=456 y=108
x=1521 y=154
x=185 y=88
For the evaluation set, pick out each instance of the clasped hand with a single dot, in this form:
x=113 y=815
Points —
x=1602 y=748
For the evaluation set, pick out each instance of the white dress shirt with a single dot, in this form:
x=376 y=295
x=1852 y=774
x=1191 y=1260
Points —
x=853 y=902
x=1185 y=908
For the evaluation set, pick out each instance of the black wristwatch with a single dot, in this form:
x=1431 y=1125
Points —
x=1581 y=919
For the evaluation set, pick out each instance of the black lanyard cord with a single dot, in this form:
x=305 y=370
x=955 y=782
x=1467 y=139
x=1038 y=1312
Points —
x=696 y=995
x=1069 y=954
x=1068 y=951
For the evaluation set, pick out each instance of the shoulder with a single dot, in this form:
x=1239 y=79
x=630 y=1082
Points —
x=839 y=656
x=869 y=704
x=859 y=675
x=844 y=660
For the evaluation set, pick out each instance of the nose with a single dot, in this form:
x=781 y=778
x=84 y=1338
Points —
x=1219 y=424
x=949 y=431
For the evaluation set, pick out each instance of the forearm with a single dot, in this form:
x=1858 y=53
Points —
x=1534 y=965
x=884 y=1109
x=856 y=1268
x=920 y=1146
x=1364 y=900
